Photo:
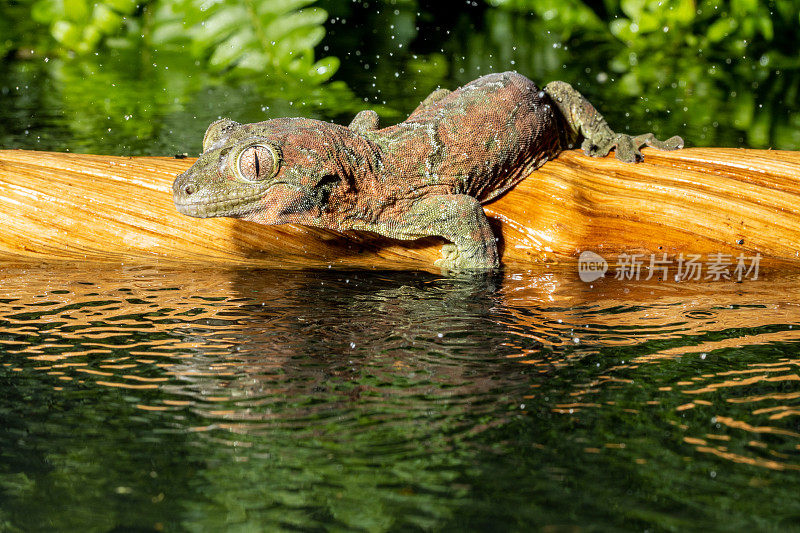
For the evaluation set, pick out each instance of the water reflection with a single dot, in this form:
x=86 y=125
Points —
x=374 y=400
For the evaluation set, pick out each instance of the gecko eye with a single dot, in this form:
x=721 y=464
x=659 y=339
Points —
x=257 y=162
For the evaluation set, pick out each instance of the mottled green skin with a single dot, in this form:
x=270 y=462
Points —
x=426 y=176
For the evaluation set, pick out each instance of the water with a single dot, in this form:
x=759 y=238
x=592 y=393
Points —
x=204 y=400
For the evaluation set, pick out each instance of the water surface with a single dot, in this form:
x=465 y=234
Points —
x=139 y=397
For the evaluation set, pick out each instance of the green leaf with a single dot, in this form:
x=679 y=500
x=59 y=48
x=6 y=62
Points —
x=219 y=26
x=66 y=33
x=720 y=29
x=325 y=68
x=620 y=28
x=633 y=8
x=300 y=40
x=105 y=19
x=168 y=33
x=89 y=40
x=231 y=49
x=306 y=20
x=765 y=26
x=684 y=11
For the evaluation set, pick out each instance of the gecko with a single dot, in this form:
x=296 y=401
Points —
x=426 y=176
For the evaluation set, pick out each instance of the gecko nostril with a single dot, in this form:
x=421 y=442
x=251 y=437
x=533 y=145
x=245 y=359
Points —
x=189 y=189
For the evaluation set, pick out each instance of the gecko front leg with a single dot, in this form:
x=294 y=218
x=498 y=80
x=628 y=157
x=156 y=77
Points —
x=456 y=217
x=599 y=138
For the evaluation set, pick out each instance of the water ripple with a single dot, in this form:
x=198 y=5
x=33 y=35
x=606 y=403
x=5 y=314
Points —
x=406 y=382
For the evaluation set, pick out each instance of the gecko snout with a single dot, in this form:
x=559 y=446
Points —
x=184 y=194
x=183 y=186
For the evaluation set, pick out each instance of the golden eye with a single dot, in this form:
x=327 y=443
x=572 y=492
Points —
x=257 y=162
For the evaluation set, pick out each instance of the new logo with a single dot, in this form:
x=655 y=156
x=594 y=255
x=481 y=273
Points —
x=591 y=266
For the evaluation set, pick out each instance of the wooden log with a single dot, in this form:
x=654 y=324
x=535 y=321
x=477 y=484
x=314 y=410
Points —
x=60 y=206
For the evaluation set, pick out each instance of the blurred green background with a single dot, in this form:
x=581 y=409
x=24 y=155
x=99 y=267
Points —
x=146 y=78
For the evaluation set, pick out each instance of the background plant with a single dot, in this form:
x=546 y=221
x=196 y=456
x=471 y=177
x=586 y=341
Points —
x=719 y=72
x=254 y=36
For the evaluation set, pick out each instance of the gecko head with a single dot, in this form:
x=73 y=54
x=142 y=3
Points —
x=267 y=171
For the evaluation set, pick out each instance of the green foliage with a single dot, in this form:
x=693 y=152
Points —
x=735 y=24
x=723 y=54
x=255 y=35
x=566 y=15
x=726 y=69
x=276 y=37
x=81 y=25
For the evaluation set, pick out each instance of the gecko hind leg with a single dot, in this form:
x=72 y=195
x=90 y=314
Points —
x=599 y=139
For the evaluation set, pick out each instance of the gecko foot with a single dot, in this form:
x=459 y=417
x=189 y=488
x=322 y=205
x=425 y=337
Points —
x=449 y=260
x=454 y=260
x=627 y=147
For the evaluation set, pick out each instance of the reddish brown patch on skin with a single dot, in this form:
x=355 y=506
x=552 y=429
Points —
x=488 y=134
x=273 y=206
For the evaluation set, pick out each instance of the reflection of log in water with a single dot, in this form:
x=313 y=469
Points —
x=81 y=207
x=250 y=351
x=335 y=388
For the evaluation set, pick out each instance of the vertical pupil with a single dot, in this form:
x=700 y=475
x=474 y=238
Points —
x=250 y=164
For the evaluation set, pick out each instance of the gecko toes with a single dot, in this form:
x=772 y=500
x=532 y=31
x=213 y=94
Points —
x=456 y=261
x=627 y=149
x=594 y=149
x=674 y=143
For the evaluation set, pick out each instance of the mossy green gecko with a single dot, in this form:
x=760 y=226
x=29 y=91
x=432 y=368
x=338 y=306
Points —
x=425 y=176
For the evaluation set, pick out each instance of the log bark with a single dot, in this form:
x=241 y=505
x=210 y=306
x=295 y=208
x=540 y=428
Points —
x=60 y=206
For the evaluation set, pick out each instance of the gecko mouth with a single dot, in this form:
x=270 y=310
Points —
x=233 y=206
x=196 y=198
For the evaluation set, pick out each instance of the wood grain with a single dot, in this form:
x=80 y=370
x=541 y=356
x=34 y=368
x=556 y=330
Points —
x=60 y=206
